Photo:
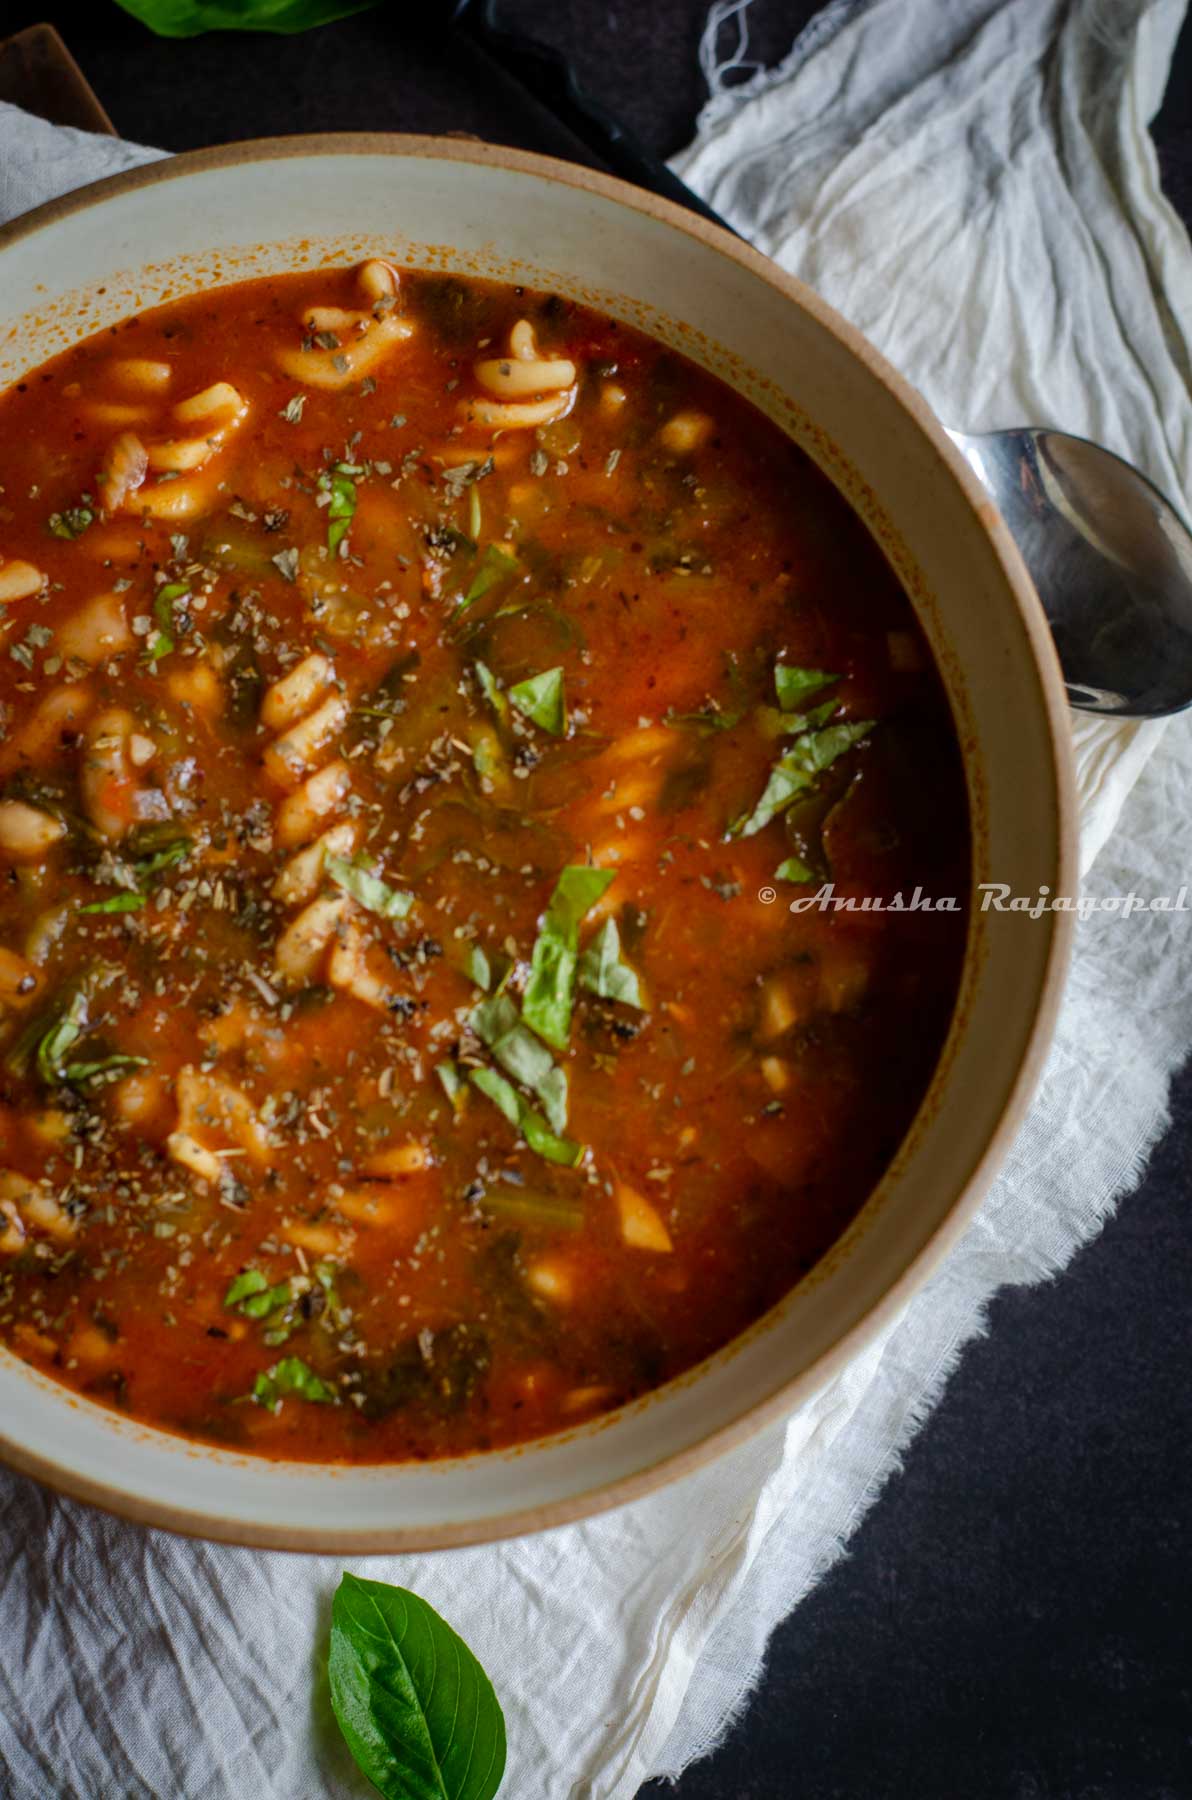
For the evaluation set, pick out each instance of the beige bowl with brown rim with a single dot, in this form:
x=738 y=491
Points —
x=254 y=209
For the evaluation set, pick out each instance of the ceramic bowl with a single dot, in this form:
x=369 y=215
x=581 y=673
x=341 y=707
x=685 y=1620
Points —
x=218 y=216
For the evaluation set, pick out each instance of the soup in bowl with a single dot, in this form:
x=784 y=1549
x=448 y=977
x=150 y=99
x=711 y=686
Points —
x=493 y=778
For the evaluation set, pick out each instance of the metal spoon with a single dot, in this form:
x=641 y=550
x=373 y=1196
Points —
x=1112 y=562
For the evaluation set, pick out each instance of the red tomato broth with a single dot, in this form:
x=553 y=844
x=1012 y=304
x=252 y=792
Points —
x=487 y=1295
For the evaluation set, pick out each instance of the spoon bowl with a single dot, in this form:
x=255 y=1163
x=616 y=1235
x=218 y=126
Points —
x=1111 y=560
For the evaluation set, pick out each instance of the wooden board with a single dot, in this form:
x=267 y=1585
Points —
x=38 y=73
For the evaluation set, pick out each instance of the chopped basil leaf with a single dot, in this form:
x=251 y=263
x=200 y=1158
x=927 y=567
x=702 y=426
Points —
x=325 y=1273
x=541 y=698
x=341 y=510
x=793 y=869
x=117 y=903
x=165 y=858
x=602 y=970
x=531 y=1124
x=453 y=1082
x=546 y=1007
x=71 y=522
x=48 y=1040
x=521 y=1055
x=61 y=1038
x=251 y=1295
x=793 y=685
x=547 y=1211
x=710 y=719
x=492 y=691
x=355 y=877
x=478 y=968
x=290 y=1376
x=775 y=724
x=487 y=757
x=251 y=1281
x=793 y=723
x=78 y=1072
x=495 y=565
x=797 y=770
x=143 y=867
x=162 y=641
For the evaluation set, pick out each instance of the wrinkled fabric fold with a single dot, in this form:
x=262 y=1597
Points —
x=974 y=186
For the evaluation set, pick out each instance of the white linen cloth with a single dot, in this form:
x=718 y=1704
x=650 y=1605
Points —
x=974 y=186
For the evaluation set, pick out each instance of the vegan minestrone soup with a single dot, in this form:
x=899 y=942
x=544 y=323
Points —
x=421 y=702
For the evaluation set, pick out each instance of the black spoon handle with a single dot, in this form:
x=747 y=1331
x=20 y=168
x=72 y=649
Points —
x=549 y=78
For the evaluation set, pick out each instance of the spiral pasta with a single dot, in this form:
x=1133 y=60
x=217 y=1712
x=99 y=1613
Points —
x=328 y=936
x=210 y=1106
x=30 y=1210
x=528 y=389
x=344 y=344
x=306 y=713
x=214 y=414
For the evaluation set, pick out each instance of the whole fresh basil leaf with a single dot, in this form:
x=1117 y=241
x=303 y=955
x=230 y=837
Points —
x=417 y=1710
x=189 y=18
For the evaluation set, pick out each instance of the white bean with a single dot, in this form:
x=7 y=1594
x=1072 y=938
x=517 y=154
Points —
x=96 y=631
x=18 y=580
x=26 y=833
x=686 y=431
x=141 y=374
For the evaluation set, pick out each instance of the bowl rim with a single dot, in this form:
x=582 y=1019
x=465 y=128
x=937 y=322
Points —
x=785 y=1399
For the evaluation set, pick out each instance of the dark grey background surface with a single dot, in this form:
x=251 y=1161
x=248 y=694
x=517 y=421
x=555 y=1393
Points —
x=1012 y=1620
